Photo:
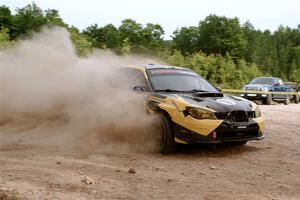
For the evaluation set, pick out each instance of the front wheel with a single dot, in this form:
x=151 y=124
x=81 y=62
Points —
x=287 y=100
x=269 y=99
x=163 y=134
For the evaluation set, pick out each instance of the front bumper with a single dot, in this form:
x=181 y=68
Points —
x=280 y=97
x=253 y=96
x=226 y=132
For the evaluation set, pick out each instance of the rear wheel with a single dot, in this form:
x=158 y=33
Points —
x=296 y=98
x=163 y=135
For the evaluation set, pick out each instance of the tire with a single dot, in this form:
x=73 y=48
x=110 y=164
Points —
x=296 y=99
x=269 y=99
x=163 y=135
x=287 y=100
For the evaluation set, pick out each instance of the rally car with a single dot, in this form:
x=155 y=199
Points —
x=191 y=110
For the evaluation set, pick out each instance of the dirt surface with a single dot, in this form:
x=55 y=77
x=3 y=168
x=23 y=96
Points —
x=267 y=169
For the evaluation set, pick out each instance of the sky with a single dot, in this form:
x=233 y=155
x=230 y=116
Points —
x=170 y=14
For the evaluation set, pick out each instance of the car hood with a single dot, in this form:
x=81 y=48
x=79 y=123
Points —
x=226 y=103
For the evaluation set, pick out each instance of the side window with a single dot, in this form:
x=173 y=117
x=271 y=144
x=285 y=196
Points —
x=279 y=82
x=138 y=78
x=134 y=77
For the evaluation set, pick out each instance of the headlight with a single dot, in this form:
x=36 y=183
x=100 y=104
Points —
x=199 y=113
x=257 y=112
x=265 y=88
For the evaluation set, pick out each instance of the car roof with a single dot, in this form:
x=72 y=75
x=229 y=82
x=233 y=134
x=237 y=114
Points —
x=158 y=66
x=267 y=77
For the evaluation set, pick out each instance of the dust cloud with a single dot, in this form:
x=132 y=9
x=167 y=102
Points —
x=51 y=97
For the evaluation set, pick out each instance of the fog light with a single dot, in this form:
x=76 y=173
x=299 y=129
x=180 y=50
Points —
x=214 y=135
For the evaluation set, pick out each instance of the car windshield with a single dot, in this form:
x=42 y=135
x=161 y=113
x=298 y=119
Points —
x=180 y=80
x=263 y=80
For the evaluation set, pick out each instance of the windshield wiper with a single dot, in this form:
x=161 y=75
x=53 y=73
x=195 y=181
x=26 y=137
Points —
x=168 y=90
x=182 y=91
x=195 y=90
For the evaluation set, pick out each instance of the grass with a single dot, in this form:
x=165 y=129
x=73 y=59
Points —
x=9 y=195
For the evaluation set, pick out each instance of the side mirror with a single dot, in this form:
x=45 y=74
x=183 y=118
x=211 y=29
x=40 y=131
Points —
x=277 y=84
x=139 y=88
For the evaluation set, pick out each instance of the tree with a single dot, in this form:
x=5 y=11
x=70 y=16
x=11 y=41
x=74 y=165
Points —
x=4 y=38
x=26 y=20
x=82 y=46
x=251 y=36
x=133 y=31
x=103 y=37
x=111 y=36
x=151 y=36
x=186 y=40
x=176 y=59
x=221 y=35
x=94 y=35
x=142 y=39
x=53 y=18
x=5 y=17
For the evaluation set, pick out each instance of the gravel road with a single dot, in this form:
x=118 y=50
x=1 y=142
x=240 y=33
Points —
x=267 y=169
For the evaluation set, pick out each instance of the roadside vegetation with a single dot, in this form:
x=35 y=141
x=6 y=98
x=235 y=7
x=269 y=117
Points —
x=9 y=195
x=221 y=49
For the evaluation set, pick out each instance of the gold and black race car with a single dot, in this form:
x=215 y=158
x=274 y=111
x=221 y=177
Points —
x=191 y=110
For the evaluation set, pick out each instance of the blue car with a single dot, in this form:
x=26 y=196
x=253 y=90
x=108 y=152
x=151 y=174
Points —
x=266 y=84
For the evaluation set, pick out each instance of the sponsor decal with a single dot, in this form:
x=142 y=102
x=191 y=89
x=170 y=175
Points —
x=226 y=102
x=172 y=71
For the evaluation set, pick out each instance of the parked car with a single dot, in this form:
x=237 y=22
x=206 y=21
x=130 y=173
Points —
x=268 y=84
x=191 y=110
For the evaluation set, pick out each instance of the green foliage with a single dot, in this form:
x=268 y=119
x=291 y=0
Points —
x=218 y=48
x=176 y=59
x=221 y=35
x=4 y=38
x=26 y=20
x=5 y=17
x=103 y=37
x=129 y=37
x=142 y=39
x=126 y=48
x=131 y=30
x=276 y=53
x=82 y=45
x=214 y=35
x=186 y=40
x=52 y=18
x=9 y=195
x=152 y=36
